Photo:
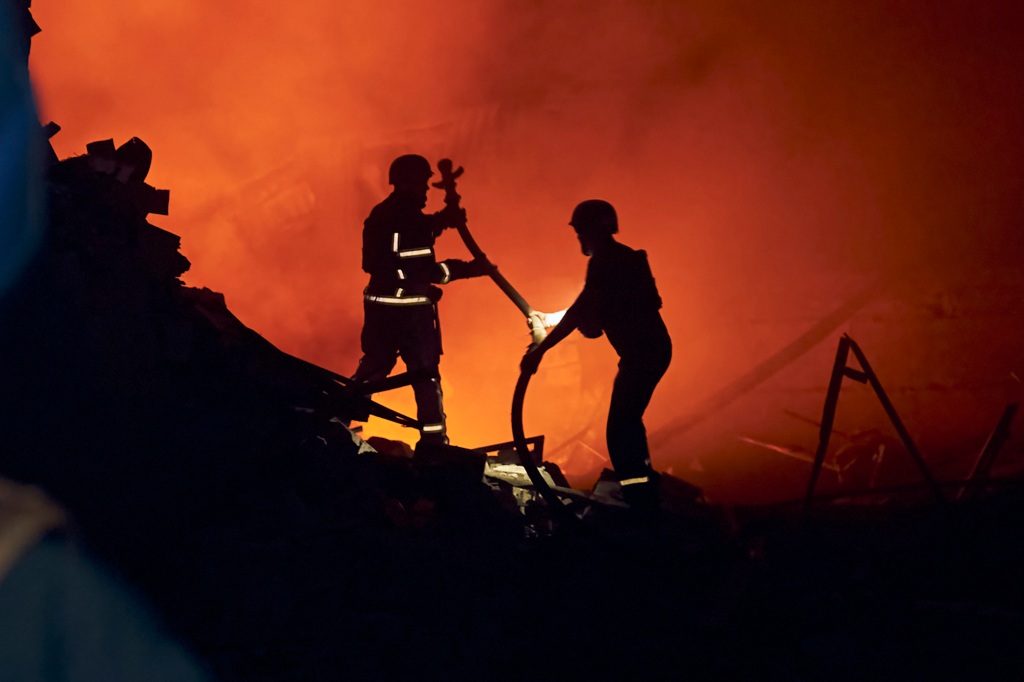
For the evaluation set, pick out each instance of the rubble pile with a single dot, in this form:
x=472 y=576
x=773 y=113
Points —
x=215 y=475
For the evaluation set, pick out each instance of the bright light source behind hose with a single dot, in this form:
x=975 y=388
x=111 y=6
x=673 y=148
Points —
x=552 y=319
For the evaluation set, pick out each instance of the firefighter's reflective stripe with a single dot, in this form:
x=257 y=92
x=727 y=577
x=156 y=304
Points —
x=415 y=253
x=396 y=300
x=447 y=273
x=434 y=431
x=409 y=253
x=399 y=291
x=635 y=481
x=401 y=275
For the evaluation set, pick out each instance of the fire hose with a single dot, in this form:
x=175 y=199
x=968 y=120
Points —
x=526 y=459
x=534 y=319
x=449 y=175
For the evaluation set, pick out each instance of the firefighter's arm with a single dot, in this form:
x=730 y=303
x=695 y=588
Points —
x=453 y=269
x=567 y=325
x=449 y=216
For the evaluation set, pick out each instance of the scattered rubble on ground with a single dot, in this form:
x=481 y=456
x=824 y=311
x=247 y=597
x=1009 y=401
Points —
x=217 y=476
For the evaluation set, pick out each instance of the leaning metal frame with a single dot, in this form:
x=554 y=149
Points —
x=864 y=375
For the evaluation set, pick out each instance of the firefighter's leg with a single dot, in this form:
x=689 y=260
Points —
x=380 y=351
x=375 y=365
x=423 y=351
x=378 y=341
x=430 y=411
x=627 y=437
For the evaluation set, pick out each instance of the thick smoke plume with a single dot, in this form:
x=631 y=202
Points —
x=772 y=158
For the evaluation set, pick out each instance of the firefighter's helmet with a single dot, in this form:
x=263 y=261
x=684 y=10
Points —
x=595 y=216
x=408 y=169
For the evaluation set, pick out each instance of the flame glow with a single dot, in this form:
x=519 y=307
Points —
x=770 y=157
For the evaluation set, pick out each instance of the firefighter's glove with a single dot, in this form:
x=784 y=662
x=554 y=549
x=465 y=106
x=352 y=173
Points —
x=538 y=324
x=530 y=361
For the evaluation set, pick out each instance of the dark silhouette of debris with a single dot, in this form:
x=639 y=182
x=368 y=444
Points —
x=24 y=25
x=214 y=474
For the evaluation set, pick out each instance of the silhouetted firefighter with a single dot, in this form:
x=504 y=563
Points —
x=400 y=302
x=621 y=300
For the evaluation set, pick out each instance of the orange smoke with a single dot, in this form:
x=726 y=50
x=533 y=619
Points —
x=771 y=161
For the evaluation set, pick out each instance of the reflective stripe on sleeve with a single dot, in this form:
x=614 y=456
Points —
x=399 y=291
x=401 y=275
x=433 y=428
x=394 y=242
x=447 y=273
x=635 y=481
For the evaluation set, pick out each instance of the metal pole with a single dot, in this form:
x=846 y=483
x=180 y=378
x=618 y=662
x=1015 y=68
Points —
x=828 y=416
x=897 y=422
x=988 y=454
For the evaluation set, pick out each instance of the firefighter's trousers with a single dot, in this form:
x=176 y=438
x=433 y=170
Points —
x=627 y=437
x=413 y=333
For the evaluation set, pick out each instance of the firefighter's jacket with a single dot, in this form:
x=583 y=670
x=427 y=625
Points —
x=621 y=299
x=398 y=254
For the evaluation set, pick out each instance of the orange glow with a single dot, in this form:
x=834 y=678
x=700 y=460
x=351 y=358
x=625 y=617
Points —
x=770 y=160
